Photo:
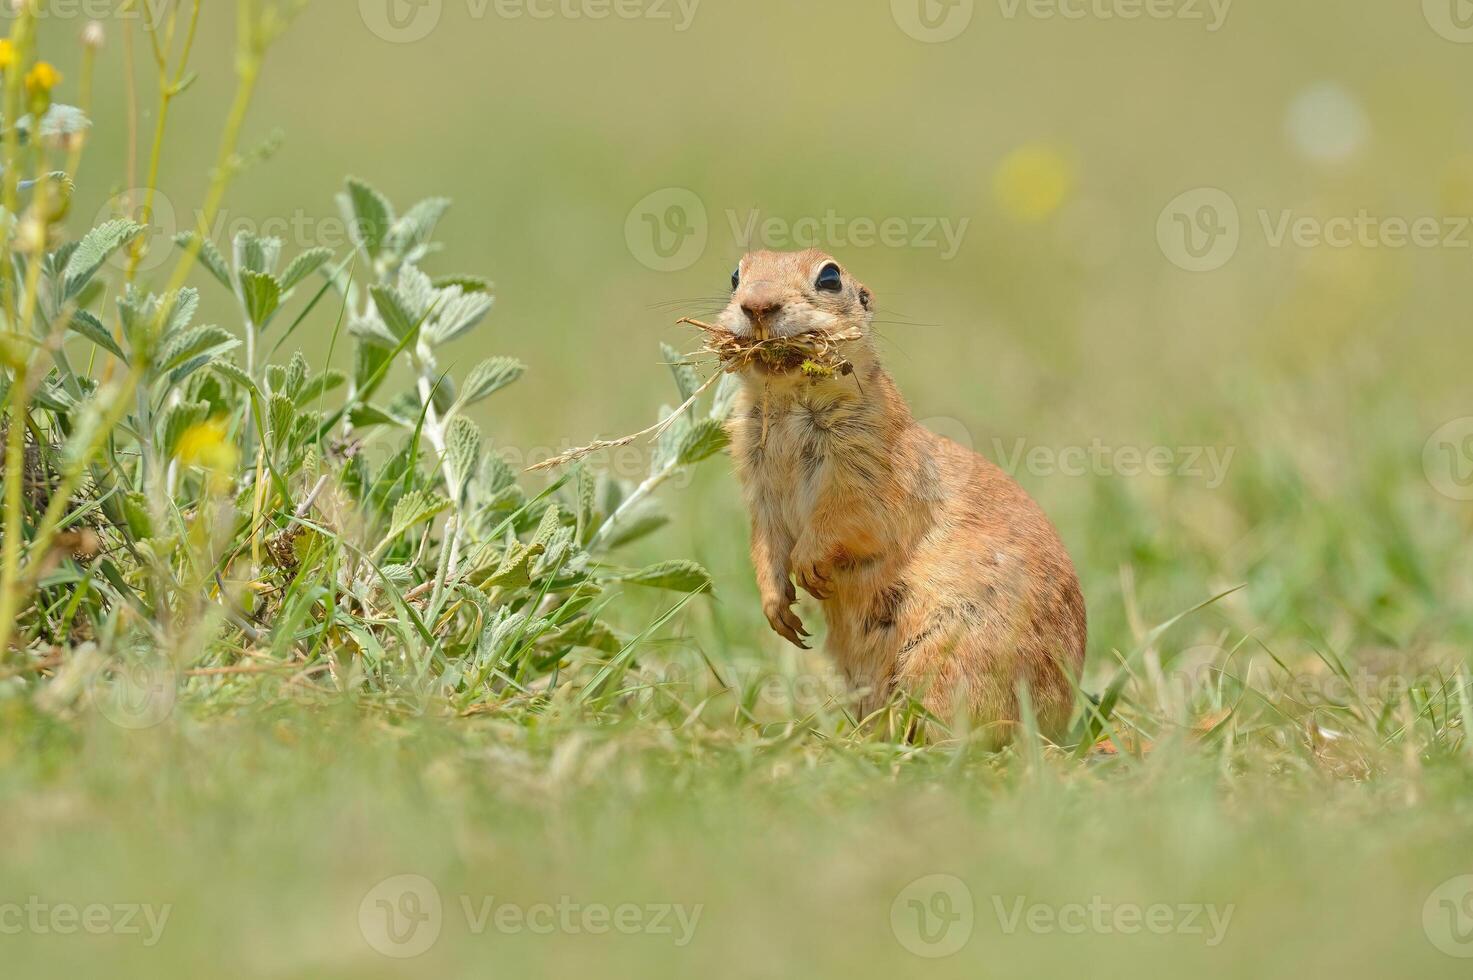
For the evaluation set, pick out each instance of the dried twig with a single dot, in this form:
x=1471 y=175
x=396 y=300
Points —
x=815 y=353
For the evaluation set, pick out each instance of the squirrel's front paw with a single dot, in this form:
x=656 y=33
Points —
x=784 y=621
x=815 y=577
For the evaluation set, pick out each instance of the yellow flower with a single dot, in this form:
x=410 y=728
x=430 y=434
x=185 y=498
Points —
x=7 y=54
x=208 y=446
x=42 y=79
x=1032 y=183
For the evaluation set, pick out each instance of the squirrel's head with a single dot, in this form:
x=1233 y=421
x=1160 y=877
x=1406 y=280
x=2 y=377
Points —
x=780 y=294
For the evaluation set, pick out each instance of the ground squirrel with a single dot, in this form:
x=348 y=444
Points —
x=937 y=573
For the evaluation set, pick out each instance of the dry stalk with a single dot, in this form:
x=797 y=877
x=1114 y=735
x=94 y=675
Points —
x=816 y=353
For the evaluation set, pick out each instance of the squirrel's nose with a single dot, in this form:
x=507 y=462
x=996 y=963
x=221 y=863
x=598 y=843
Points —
x=760 y=308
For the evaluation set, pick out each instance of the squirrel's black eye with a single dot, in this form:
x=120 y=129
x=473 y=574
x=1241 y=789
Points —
x=736 y=279
x=830 y=280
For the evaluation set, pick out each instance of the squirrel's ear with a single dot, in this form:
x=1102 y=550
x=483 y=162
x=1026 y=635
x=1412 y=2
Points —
x=866 y=298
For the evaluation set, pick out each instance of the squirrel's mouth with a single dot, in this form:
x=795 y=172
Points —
x=816 y=353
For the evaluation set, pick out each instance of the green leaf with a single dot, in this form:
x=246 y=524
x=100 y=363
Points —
x=95 y=248
x=296 y=375
x=726 y=392
x=597 y=635
x=686 y=378
x=587 y=503
x=455 y=312
x=667 y=447
x=552 y=520
x=496 y=474
x=209 y=257
x=256 y=254
x=417 y=291
x=369 y=359
x=182 y=306
x=411 y=233
x=231 y=372
x=514 y=572
x=189 y=344
x=367 y=416
x=92 y=328
x=282 y=412
x=414 y=508
x=137 y=516
x=320 y=385
x=705 y=439
x=467 y=284
x=53 y=397
x=262 y=294
x=303 y=266
x=177 y=420
x=462 y=454
x=489 y=377
x=374 y=335
x=396 y=313
x=208 y=388
x=369 y=216
x=673 y=576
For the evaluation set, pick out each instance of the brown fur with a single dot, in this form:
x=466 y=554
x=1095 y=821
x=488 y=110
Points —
x=938 y=575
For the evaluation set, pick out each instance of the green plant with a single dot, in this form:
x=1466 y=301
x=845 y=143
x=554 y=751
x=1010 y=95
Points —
x=200 y=498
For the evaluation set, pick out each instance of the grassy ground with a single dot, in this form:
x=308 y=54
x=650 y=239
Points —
x=1285 y=786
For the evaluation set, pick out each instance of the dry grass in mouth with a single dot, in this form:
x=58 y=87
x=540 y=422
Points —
x=815 y=353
